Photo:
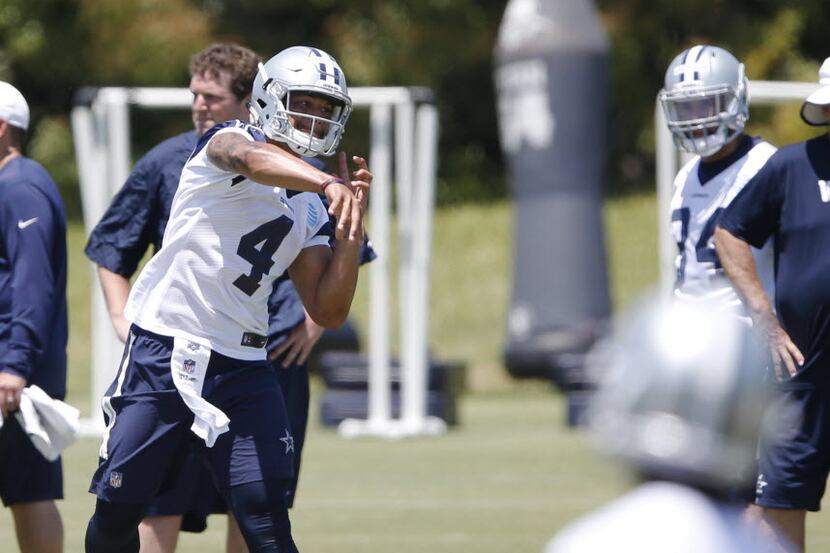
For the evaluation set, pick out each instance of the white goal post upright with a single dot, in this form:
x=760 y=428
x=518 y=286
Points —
x=101 y=132
x=668 y=160
x=415 y=197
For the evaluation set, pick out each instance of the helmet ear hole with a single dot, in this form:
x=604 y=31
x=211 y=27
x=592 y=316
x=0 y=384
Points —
x=278 y=90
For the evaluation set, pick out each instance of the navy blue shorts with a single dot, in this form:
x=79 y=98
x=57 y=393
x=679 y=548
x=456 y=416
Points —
x=148 y=439
x=25 y=475
x=294 y=384
x=794 y=459
x=192 y=494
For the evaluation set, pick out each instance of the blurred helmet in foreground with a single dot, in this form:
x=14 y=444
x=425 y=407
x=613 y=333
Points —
x=705 y=99
x=681 y=393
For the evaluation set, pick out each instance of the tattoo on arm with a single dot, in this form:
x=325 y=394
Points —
x=263 y=163
x=230 y=152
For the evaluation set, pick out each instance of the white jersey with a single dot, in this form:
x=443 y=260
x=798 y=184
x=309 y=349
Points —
x=226 y=241
x=695 y=209
x=659 y=517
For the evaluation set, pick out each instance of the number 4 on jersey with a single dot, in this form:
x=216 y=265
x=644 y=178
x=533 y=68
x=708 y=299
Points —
x=257 y=248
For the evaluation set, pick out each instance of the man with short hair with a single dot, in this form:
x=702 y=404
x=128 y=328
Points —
x=789 y=200
x=246 y=209
x=220 y=80
x=33 y=325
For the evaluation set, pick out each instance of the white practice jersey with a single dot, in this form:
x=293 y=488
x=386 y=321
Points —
x=659 y=517
x=695 y=210
x=226 y=241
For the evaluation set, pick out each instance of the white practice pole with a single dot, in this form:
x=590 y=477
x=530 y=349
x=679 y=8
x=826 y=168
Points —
x=380 y=207
x=404 y=177
x=414 y=378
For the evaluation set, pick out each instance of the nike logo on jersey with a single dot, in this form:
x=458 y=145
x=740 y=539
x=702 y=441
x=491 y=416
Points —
x=21 y=224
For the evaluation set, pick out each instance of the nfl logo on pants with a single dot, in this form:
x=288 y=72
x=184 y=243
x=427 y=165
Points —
x=115 y=479
x=189 y=366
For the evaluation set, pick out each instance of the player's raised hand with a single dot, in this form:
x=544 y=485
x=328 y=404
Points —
x=361 y=180
x=342 y=202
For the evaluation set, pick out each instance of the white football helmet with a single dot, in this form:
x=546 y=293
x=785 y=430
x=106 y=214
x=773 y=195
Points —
x=705 y=99
x=681 y=394
x=294 y=70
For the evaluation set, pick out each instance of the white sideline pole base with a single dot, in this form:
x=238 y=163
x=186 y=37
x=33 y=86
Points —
x=392 y=429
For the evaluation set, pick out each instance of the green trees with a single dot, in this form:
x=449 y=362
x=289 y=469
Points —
x=50 y=48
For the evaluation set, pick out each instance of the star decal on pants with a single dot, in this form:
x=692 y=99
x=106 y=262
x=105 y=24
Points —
x=288 y=440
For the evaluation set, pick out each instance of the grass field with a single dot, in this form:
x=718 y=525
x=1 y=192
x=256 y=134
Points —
x=504 y=480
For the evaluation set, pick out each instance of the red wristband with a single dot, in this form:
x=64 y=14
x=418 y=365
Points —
x=328 y=181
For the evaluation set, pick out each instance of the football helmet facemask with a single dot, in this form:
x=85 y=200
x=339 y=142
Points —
x=301 y=70
x=705 y=99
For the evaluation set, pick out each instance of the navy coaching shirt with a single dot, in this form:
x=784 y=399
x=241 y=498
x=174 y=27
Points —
x=789 y=198
x=33 y=314
x=138 y=214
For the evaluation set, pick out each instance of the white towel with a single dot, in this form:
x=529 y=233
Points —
x=51 y=424
x=188 y=365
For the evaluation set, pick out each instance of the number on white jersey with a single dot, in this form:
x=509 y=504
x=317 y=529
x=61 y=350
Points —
x=704 y=250
x=268 y=237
